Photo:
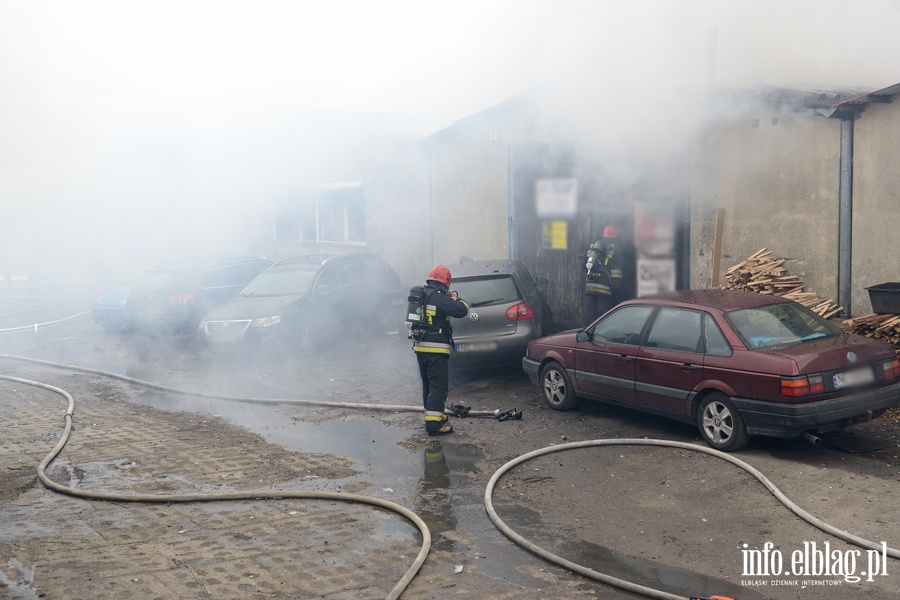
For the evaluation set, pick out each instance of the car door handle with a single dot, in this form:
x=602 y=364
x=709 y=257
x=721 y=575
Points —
x=625 y=358
x=689 y=367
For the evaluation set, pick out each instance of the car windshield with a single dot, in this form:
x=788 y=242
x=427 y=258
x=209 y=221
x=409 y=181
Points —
x=775 y=325
x=281 y=282
x=482 y=291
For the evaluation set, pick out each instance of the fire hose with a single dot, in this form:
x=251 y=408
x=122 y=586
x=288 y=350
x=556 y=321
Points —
x=411 y=572
x=455 y=410
x=452 y=410
x=628 y=585
x=36 y=325
x=251 y=495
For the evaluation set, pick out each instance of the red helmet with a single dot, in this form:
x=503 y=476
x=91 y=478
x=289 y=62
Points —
x=611 y=231
x=440 y=273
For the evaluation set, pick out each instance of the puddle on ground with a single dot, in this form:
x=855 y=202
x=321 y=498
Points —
x=610 y=561
x=376 y=447
x=437 y=484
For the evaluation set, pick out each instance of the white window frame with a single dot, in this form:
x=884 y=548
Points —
x=321 y=196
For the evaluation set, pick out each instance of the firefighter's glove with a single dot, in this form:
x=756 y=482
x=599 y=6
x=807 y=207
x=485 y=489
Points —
x=460 y=411
x=512 y=413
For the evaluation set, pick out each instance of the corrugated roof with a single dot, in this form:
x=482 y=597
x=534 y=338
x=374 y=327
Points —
x=855 y=105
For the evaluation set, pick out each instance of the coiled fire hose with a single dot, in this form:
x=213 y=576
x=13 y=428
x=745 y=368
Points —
x=250 y=495
x=627 y=585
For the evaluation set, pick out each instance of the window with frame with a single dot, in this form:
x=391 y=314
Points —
x=675 y=329
x=624 y=326
x=325 y=214
x=716 y=344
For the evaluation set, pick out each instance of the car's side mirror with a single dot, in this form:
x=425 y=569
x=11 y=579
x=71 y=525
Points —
x=541 y=281
x=582 y=336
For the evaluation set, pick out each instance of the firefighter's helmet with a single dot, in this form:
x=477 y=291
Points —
x=441 y=274
x=611 y=231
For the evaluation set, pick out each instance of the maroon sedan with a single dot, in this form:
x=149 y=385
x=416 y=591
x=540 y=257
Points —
x=734 y=363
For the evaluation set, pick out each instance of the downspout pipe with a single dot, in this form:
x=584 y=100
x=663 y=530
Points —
x=845 y=218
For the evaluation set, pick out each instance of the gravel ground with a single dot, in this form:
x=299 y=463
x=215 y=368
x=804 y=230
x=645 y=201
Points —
x=668 y=518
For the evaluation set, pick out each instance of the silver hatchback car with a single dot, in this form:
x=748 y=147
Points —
x=506 y=311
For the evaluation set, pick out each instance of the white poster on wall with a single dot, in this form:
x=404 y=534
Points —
x=655 y=275
x=556 y=198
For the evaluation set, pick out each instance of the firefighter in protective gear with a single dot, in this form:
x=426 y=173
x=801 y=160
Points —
x=433 y=347
x=603 y=275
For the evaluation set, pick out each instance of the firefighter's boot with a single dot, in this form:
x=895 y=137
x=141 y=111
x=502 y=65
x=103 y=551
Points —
x=437 y=425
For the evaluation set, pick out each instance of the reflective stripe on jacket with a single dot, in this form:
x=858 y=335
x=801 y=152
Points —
x=606 y=275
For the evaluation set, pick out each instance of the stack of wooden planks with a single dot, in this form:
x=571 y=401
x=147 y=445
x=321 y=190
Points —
x=876 y=325
x=764 y=274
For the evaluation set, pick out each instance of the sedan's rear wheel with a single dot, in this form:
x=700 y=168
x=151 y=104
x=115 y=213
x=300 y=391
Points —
x=557 y=387
x=721 y=425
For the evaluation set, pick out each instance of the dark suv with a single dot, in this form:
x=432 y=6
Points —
x=175 y=295
x=299 y=300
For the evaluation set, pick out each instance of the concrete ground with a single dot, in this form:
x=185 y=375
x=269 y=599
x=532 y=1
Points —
x=669 y=519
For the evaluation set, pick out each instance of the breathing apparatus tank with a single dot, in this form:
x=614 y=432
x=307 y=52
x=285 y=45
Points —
x=593 y=256
x=415 y=308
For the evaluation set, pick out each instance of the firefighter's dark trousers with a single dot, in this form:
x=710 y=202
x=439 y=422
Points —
x=435 y=372
x=596 y=305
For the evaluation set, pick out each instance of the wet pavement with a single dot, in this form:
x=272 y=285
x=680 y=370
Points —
x=385 y=454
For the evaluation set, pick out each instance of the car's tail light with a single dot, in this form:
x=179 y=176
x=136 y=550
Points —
x=182 y=299
x=520 y=312
x=796 y=387
x=891 y=368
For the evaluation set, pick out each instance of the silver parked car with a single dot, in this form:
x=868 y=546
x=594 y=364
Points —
x=506 y=311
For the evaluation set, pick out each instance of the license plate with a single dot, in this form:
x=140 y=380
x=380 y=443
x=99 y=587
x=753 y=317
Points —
x=854 y=377
x=477 y=347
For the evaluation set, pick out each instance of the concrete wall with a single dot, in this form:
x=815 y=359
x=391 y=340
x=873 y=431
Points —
x=398 y=206
x=469 y=190
x=774 y=169
x=470 y=176
x=876 y=201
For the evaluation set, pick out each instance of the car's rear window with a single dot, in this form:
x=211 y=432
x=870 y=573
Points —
x=483 y=291
x=172 y=281
x=229 y=275
x=281 y=282
x=764 y=327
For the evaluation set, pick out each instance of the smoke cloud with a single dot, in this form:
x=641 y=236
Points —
x=135 y=131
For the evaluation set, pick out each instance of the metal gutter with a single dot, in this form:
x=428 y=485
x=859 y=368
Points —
x=845 y=219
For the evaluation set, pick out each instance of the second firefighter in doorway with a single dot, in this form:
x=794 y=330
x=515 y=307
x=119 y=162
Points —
x=433 y=342
x=603 y=275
